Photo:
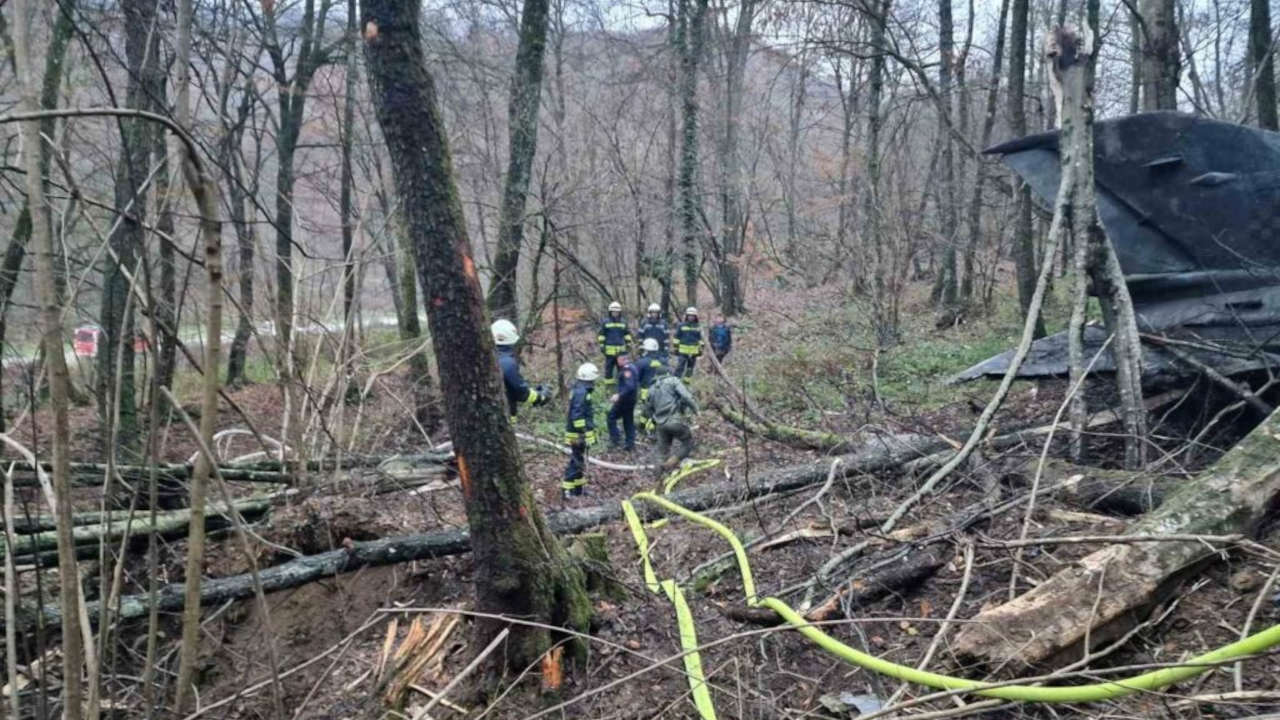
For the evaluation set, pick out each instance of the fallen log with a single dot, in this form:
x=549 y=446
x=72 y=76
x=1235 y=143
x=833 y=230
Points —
x=92 y=473
x=1121 y=492
x=1096 y=597
x=441 y=543
x=139 y=525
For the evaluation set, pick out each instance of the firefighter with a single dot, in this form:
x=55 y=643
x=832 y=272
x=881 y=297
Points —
x=646 y=372
x=622 y=406
x=614 y=339
x=667 y=404
x=580 y=430
x=688 y=343
x=655 y=328
x=505 y=337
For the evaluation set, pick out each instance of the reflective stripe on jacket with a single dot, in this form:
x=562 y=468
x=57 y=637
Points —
x=689 y=338
x=614 y=335
x=581 y=419
x=656 y=330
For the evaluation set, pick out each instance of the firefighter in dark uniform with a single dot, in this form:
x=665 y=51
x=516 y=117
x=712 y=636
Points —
x=647 y=368
x=622 y=406
x=655 y=328
x=688 y=343
x=614 y=339
x=519 y=392
x=580 y=431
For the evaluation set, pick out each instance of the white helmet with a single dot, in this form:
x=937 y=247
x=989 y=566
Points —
x=649 y=345
x=655 y=308
x=504 y=332
x=588 y=372
x=615 y=306
x=691 y=311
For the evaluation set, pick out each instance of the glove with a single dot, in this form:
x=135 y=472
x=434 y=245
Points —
x=544 y=395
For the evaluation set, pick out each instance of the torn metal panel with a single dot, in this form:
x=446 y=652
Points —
x=1192 y=207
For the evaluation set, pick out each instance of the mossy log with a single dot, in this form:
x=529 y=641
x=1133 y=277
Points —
x=441 y=543
x=1100 y=595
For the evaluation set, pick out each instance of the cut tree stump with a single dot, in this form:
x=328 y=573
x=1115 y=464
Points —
x=1100 y=594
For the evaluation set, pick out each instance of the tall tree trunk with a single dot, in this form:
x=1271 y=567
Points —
x=115 y=360
x=522 y=122
x=883 y=317
x=1135 y=60
x=346 y=190
x=850 y=109
x=974 y=222
x=795 y=125
x=1262 y=65
x=521 y=568
x=947 y=289
x=166 y=301
x=689 y=34
x=54 y=345
x=734 y=221
x=16 y=252
x=292 y=108
x=246 y=244
x=665 y=268
x=1024 y=242
x=1161 y=56
x=204 y=192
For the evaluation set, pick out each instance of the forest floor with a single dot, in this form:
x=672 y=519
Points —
x=807 y=358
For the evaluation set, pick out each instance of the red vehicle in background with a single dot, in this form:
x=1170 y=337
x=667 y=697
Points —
x=85 y=341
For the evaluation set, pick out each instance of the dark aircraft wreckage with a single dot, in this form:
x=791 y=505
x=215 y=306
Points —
x=1192 y=207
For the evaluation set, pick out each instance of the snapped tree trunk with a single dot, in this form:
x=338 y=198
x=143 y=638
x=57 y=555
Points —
x=522 y=122
x=521 y=568
x=1097 y=596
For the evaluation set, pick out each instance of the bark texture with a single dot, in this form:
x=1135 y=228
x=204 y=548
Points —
x=522 y=120
x=521 y=569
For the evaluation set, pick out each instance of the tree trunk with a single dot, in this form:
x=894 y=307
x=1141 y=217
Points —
x=16 y=252
x=734 y=220
x=346 y=190
x=883 y=320
x=1161 y=56
x=947 y=289
x=51 y=337
x=246 y=246
x=689 y=34
x=520 y=568
x=1024 y=243
x=117 y=404
x=1098 y=595
x=1262 y=64
x=974 y=221
x=522 y=122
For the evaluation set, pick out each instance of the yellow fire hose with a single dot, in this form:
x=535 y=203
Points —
x=1146 y=682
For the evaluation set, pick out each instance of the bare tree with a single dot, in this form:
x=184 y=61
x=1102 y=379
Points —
x=1024 y=244
x=51 y=336
x=522 y=121
x=689 y=43
x=521 y=569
